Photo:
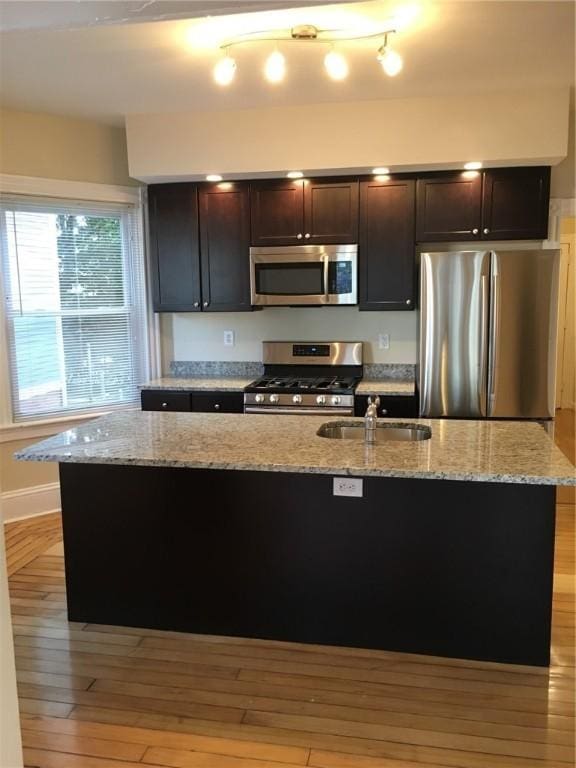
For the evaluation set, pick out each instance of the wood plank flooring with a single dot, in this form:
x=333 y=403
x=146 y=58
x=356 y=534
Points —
x=109 y=697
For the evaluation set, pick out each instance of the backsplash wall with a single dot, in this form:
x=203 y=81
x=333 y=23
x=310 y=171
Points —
x=200 y=336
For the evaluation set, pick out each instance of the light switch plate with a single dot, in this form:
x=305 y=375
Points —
x=228 y=338
x=348 y=486
x=384 y=341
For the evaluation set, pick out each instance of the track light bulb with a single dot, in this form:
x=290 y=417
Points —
x=275 y=67
x=225 y=70
x=390 y=60
x=336 y=65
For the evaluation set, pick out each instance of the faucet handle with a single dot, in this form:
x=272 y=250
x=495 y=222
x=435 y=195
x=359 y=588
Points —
x=374 y=400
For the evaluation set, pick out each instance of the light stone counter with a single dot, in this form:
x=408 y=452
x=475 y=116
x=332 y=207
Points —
x=485 y=451
x=200 y=383
x=385 y=387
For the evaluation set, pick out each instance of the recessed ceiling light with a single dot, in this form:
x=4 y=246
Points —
x=473 y=166
x=213 y=177
x=294 y=174
x=380 y=171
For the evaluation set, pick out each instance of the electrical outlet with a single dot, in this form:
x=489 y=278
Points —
x=383 y=341
x=228 y=338
x=347 y=486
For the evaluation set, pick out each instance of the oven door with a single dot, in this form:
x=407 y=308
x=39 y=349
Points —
x=289 y=276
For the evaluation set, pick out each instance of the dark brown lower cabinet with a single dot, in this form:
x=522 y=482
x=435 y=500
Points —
x=400 y=406
x=198 y=402
x=387 y=267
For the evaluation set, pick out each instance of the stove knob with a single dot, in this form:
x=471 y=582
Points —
x=297 y=399
x=321 y=399
x=259 y=399
x=274 y=398
x=335 y=400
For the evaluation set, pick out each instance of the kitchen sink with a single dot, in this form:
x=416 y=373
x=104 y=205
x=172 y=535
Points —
x=391 y=432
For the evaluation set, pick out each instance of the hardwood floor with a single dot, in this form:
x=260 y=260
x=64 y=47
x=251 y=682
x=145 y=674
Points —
x=105 y=697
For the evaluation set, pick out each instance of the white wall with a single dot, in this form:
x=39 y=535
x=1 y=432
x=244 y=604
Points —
x=200 y=336
x=501 y=128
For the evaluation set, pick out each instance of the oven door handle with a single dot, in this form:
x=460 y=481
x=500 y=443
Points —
x=289 y=411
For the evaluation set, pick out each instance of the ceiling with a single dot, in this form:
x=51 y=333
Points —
x=102 y=60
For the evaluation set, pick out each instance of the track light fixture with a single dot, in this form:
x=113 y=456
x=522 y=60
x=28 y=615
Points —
x=335 y=63
x=390 y=60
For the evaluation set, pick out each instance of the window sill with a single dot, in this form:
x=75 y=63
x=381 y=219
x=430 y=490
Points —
x=48 y=427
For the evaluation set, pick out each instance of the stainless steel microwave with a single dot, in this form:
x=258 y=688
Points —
x=304 y=275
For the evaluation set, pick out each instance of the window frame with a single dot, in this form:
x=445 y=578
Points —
x=82 y=194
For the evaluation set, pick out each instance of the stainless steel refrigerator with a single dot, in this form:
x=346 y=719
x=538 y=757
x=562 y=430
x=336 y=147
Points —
x=488 y=334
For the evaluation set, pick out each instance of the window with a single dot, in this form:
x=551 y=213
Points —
x=75 y=309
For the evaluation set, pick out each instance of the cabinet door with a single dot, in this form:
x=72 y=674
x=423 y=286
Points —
x=174 y=247
x=515 y=203
x=225 y=247
x=387 y=269
x=395 y=406
x=165 y=400
x=449 y=207
x=218 y=402
x=330 y=211
x=277 y=212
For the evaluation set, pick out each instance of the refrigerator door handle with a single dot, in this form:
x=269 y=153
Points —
x=483 y=343
x=493 y=333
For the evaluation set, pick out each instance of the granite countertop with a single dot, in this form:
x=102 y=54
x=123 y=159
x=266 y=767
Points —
x=200 y=383
x=385 y=387
x=485 y=451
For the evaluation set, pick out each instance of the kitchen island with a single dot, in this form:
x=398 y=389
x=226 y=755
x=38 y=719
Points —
x=228 y=525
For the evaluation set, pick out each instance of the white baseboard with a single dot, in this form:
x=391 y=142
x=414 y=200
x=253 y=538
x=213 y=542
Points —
x=29 y=502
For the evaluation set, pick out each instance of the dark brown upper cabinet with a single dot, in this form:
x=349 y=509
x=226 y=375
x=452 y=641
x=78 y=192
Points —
x=277 y=212
x=200 y=247
x=331 y=211
x=497 y=204
x=387 y=270
x=307 y=211
x=225 y=247
x=449 y=207
x=174 y=247
x=515 y=203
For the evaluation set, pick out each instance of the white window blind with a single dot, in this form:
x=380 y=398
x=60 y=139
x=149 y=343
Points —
x=75 y=306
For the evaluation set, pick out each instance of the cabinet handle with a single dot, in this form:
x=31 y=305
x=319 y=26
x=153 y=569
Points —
x=196 y=303
x=299 y=236
x=216 y=406
x=164 y=405
x=206 y=303
x=486 y=230
x=307 y=235
x=408 y=301
x=475 y=231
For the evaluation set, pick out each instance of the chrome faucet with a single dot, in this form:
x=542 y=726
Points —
x=371 y=420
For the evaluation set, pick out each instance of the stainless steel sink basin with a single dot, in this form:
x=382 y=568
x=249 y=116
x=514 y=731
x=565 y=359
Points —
x=390 y=432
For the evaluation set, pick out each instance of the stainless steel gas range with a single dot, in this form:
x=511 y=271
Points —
x=309 y=378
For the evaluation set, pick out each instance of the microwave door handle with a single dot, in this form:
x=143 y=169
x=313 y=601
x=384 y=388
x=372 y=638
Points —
x=326 y=273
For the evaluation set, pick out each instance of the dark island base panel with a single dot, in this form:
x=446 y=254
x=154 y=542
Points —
x=422 y=566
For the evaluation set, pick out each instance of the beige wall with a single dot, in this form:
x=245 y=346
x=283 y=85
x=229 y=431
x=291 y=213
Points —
x=501 y=128
x=54 y=147
x=563 y=182
x=200 y=337
x=21 y=474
